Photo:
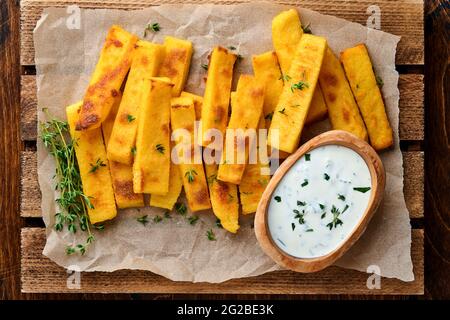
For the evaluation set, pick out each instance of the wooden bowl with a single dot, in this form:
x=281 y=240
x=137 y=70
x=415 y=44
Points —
x=376 y=169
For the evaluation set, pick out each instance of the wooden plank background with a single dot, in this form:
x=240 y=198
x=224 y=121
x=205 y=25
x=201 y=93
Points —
x=39 y=274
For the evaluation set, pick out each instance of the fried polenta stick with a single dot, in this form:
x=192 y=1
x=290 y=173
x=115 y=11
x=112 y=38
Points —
x=198 y=103
x=112 y=67
x=176 y=62
x=94 y=168
x=245 y=114
x=342 y=108
x=121 y=174
x=292 y=108
x=147 y=59
x=151 y=167
x=168 y=200
x=192 y=173
x=359 y=71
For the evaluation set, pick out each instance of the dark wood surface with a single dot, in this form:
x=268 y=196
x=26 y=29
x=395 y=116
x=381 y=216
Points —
x=437 y=147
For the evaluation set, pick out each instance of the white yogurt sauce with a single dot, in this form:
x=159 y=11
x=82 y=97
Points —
x=319 y=201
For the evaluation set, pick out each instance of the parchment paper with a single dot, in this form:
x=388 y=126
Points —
x=173 y=248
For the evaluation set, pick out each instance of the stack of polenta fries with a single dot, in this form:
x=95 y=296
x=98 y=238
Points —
x=135 y=101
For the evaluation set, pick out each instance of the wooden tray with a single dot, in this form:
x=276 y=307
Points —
x=40 y=275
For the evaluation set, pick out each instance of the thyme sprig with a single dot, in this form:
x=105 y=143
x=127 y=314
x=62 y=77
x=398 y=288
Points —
x=72 y=202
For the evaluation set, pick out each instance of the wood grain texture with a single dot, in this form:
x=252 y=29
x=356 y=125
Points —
x=411 y=126
x=30 y=204
x=437 y=146
x=403 y=18
x=39 y=274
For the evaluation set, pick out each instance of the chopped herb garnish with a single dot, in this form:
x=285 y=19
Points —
x=205 y=66
x=301 y=203
x=99 y=227
x=283 y=111
x=299 y=86
x=231 y=47
x=133 y=151
x=305 y=183
x=285 y=77
x=309 y=230
x=160 y=148
x=307 y=157
x=180 y=208
x=218 y=224
x=323 y=215
x=307 y=28
x=321 y=206
x=341 y=197
x=210 y=235
x=157 y=219
x=192 y=219
x=336 y=221
x=152 y=27
x=143 y=219
x=277 y=198
x=380 y=81
x=94 y=167
x=190 y=174
x=293 y=226
x=167 y=215
x=269 y=116
x=130 y=118
x=299 y=216
x=345 y=208
x=362 y=189
x=326 y=176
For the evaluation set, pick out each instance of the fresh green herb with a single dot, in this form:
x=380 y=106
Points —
x=72 y=202
x=190 y=174
x=192 y=219
x=143 y=219
x=307 y=157
x=299 y=86
x=152 y=27
x=167 y=215
x=218 y=224
x=336 y=221
x=231 y=47
x=160 y=148
x=99 y=227
x=326 y=176
x=301 y=203
x=305 y=183
x=269 y=116
x=345 y=208
x=380 y=81
x=362 y=189
x=309 y=230
x=133 y=151
x=323 y=215
x=157 y=219
x=341 y=197
x=299 y=216
x=130 y=118
x=277 y=198
x=283 y=111
x=205 y=66
x=293 y=226
x=210 y=235
x=321 y=206
x=307 y=28
x=181 y=208
x=285 y=77
x=94 y=167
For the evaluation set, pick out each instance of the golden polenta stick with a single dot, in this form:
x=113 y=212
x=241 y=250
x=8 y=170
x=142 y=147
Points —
x=290 y=114
x=286 y=34
x=94 y=169
x=224 y=199
x=121 y=174
x=359 y=71
x=112 y=67
x=342 y=108
x=176 y=62
x=245 y=114
x=168 y=200
x=192 y=173
x=198 y=103
x=147 y=59
x=217 y=93
x=151 y=167
x=254 y=181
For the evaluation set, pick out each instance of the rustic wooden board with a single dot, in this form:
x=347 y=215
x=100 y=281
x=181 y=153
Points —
x=411 y=107
x=403 y=18
x=30 y=204
x=39 y=274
